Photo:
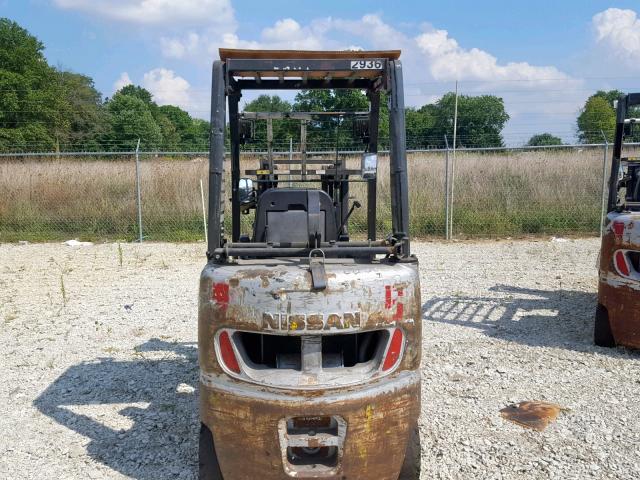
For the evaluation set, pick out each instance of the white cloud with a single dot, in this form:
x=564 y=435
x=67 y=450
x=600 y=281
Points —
x=180 y=47
x=165 y=86
x=284 y=34
x=619 y=32
x=168 y=88
x=446 y=60
x=122 y=81
x=432 y=59
x=173 y=12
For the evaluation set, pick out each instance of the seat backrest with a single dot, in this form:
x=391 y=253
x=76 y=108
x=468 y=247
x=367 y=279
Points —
x=286 y=215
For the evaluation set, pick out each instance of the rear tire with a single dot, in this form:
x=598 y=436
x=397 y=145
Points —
x=602 y=335
x=411 y=467
x=209 y=467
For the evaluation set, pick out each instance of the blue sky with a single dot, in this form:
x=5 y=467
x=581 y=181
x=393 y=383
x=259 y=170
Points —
x=544 y=58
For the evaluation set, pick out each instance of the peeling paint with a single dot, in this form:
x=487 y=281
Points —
x=618 y=293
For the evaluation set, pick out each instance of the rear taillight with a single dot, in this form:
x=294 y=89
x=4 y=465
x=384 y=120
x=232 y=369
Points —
x=618 y=227
x=621 y=263
x=394 y=350
x=227 y=353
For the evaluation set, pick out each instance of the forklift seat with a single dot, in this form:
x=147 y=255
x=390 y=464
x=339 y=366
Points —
x=286 y=215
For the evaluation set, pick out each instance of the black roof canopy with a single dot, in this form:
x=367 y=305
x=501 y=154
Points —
x=298 y=69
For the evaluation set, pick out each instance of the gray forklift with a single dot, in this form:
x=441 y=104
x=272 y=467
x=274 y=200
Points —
x=309 y=341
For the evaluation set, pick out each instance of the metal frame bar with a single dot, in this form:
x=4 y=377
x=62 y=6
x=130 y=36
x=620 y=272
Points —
x=297 y=115
x=398 y=158
x=329 y=252
x=302 y=84
x=372 y=147
x=216 y=156
x=289 y=66
x=234 y=100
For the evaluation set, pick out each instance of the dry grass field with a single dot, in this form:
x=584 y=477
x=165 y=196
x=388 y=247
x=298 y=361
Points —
x=495 y=194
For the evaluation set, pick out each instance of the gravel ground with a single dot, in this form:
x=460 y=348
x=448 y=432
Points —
x=99 y=365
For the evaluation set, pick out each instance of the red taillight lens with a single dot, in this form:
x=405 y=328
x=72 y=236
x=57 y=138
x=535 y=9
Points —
x=621 y=263
x=394 y=350
x=618 y=228
x=226 y=352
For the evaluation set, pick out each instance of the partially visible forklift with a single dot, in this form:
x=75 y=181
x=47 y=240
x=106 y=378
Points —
x=618 y=312
x=309 y=341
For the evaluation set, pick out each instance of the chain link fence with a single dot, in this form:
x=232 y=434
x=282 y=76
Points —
x=490 y=193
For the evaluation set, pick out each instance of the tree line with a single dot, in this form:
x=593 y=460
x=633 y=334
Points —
x=44 y=108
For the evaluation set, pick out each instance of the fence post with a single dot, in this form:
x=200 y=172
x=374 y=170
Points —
x=446 y=190
x=138 y=191
x=604 y=183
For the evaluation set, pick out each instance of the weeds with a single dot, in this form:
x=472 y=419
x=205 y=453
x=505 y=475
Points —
x=496 y=194
x=63 y=290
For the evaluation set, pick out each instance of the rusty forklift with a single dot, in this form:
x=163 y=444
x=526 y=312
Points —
x=618 y=311
x=309 y=341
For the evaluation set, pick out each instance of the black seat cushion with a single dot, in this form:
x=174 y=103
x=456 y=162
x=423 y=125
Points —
x=286 y=215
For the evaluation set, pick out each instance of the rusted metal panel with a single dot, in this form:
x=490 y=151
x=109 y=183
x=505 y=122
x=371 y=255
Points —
x=277 y=296
x=227 y=53
x=618 y=291
x=245 y=423
x=376 y=411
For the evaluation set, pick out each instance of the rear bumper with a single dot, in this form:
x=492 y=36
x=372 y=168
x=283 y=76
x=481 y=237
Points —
x=622 y=301
x=245 y=419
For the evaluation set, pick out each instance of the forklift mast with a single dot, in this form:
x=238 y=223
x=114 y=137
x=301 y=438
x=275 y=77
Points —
x=629 y=165
x=294 y=222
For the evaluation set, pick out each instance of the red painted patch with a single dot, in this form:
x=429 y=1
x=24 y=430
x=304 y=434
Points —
x=618 y=228
x=220 y=294
x=399 y=306
x=389 y=301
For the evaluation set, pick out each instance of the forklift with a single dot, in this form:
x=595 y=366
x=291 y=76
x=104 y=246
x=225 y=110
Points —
x=618 y=311
x=309 y=341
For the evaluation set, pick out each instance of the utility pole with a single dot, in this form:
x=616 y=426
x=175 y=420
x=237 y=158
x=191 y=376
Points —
x=447 y=233
x=138 y=191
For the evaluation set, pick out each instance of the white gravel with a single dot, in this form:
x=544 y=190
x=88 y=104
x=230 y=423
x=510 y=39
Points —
x=99 y=381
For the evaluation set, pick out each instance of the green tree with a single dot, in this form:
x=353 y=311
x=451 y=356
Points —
x=192 y=133
x=543 y=139
x=87 y=119
x=130 y=119
x=31 y=101
x=420 y=126
x=138 y=92
x=480 y=121
x=610 y=96
x=199 y=137
x=283 y=130
x=324 y=133
x=597 y=117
